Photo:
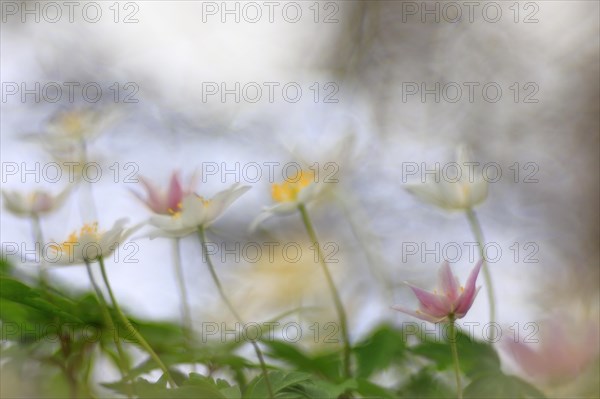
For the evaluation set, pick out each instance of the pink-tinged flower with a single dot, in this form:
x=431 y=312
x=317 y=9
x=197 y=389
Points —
x=452 y=303
x=34 y=204
x=556 y=356
x=195 y=212
x=165 y=202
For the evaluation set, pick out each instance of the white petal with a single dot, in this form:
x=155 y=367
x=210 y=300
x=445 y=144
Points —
x=427 y=192
x=264 y=215
x=193 y=213
x=15 y=202
x=222 y=200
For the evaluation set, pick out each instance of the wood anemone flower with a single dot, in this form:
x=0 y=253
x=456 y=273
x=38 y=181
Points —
x=452 y=303
x=195 y=212
x=165 y=202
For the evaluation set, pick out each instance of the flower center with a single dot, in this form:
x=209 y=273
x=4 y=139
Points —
x=205 y=202
x=68 y=246
x=288 y=190
x=176 y=214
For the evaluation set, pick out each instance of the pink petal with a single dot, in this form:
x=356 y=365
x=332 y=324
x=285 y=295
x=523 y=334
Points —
x=432 y=304
x=447 y=282
x=465 y=301
x=175 y=194
x=193 y=183
x=418 y=314
x=464 y=304
x=154 y=200
x=42 y=202
x=529 y=360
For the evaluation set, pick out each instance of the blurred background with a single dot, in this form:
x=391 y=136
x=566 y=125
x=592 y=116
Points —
x=358 y=64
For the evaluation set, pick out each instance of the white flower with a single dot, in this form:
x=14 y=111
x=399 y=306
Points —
x=72 y=127
x=195 y=212
x=88 y=244
x=82 y=123
x=453 y=192
x=290 y=194
x=33 y=204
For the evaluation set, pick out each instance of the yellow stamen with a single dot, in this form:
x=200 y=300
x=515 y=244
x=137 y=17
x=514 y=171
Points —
x=68 y=246
x=173 y=212
x=205 y=202
x=71 y=122
x=288 y=190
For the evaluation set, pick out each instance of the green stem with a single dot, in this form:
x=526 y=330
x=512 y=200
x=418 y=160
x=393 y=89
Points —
x=39 y=240
x=478 y=233
x=455 y=357
x=131 y=328
x=211 y=268
x=186 y=315
x=334 y=292
x=88 y=207
x=123 y=365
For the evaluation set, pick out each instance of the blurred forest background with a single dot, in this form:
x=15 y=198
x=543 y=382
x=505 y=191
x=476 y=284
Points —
x=373 y=49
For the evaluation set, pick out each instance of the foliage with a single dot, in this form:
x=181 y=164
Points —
x=65 y=334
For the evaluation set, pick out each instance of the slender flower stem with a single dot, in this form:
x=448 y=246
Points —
x=211 y=268
x=39 y=240
x=123 y=366
x=455 y=357
x=186 y=315
x=131 y=328
x=478 y=233
x=88 y=207
x=334 y=292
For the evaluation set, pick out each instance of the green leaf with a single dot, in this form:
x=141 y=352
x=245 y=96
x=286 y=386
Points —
x=426 y=384
x=323 y=389
x=368 y=389
x=196 y=387
x=499 y=385
x=15 y=291
x=5 y=266
x=217 y=356
x=327 y=365
x=475 y=357
x=227 y=390
x=384 y=346
x=279 y=381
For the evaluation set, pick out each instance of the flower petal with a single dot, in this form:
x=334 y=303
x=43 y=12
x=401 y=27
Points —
x=529 y=360
x=433 y=304
x=418 y=314
x=464 y=304
x=427 y=192
x=222 y=201
x=465 y=301
x=154 y=200
x=447 y=282
x=175 y=193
